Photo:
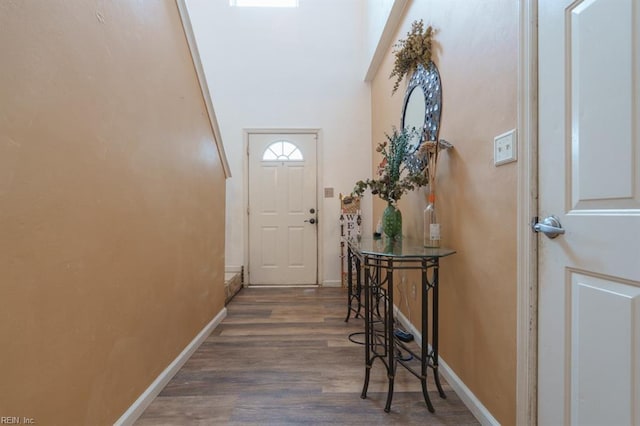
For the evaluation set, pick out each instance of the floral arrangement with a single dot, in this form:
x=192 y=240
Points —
x=416 y=49
x=395 y=178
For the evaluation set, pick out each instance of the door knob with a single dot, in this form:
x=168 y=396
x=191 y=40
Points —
x=311 y=221
x=550 y=226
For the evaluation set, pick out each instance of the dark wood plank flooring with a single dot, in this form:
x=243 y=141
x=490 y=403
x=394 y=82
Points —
x=282 y=357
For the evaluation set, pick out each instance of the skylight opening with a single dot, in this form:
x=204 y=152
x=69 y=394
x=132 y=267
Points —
x=263 y=3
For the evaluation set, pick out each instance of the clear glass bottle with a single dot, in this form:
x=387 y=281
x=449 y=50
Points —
x=431 y=224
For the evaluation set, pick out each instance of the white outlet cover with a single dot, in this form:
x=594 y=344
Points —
x=505 y=148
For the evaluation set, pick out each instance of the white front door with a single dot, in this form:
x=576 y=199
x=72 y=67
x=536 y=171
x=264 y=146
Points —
x=589 y=177
x=283 y=216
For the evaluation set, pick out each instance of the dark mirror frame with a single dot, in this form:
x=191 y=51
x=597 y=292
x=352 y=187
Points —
x=428 y=78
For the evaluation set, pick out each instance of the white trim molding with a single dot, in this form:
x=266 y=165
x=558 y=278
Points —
x=204 y=87
x=137 y=408
x=386 y=38
x=527 y=269
x=233 y=268
x=464 y=393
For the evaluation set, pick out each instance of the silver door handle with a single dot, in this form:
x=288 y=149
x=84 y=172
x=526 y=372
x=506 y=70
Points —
x=550 y=226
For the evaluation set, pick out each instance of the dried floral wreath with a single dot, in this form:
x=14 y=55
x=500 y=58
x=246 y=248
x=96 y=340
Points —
x=416 y=49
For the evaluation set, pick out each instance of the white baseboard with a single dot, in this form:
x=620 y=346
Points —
x=235 y=269
x=332 y=283
x=464 y=393
x=143 y=401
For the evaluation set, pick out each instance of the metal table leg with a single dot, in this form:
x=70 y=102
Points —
x=434 y=345
x=424 y=347
x=391 y=351
x=368 y=317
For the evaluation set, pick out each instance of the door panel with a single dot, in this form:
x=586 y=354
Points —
x=269 y=247
x=604 y=319
x=296 y=247
x=282 y=191
x=601 y=78
x=296 y=190
x=589 y=177
x=269 y=183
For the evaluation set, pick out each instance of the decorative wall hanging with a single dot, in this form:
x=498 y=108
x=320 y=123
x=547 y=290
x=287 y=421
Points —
x=413 y=51
x=350 y=228
x=422 y=109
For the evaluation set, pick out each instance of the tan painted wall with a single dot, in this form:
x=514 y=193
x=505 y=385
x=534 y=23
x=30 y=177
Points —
x=111 y=205
x=477 y=59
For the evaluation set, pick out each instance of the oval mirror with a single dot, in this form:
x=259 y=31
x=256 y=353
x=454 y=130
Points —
x=422 y=104
x=413 y=115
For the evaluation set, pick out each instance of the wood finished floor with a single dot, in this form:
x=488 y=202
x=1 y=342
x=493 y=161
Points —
x=282 y=357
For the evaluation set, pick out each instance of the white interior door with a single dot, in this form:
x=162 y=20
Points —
x=282 y=209
x=589 y=177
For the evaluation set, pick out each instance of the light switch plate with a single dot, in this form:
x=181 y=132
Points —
x=505 y=148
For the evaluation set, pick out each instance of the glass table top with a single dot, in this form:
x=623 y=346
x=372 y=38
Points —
x=406 y=247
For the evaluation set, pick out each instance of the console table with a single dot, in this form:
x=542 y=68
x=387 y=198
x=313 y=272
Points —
x=379 y=258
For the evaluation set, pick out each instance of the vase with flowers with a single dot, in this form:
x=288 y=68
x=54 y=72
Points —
x=395 y=177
